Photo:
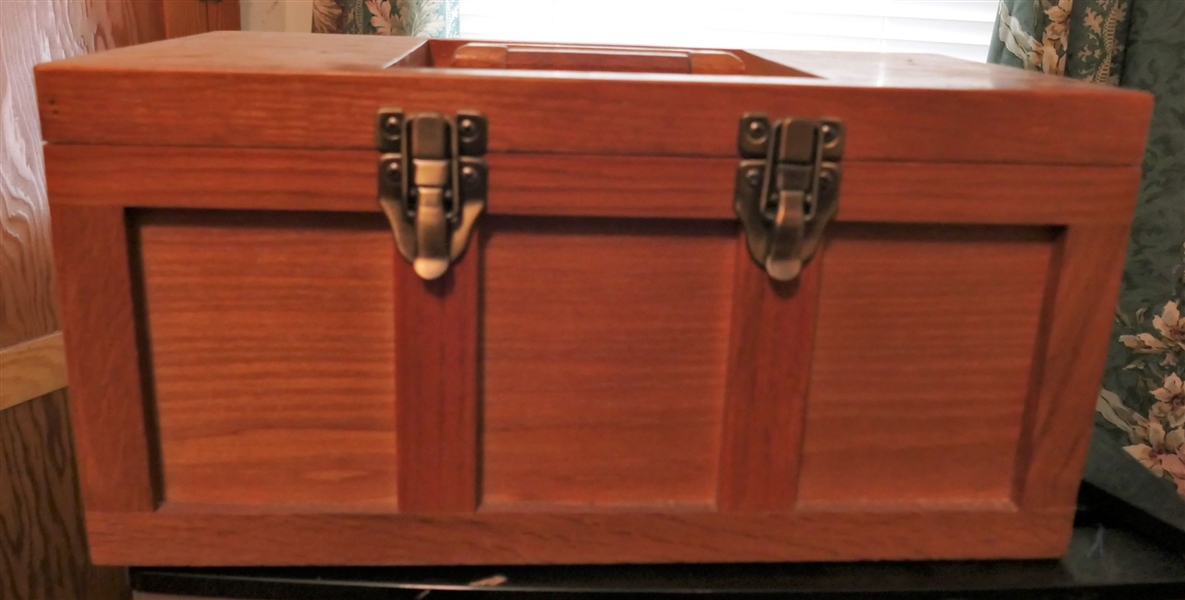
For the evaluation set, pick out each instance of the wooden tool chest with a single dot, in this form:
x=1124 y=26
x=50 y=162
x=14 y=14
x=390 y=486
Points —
x=355 y=300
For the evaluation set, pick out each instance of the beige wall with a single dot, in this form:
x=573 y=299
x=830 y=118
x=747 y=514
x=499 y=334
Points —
x=277 y=15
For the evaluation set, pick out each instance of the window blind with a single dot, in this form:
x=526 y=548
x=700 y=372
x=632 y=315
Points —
x=959 y=28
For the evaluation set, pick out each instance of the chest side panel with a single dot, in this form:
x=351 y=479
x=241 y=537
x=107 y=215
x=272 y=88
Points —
x=922 y=363
x=272 y=357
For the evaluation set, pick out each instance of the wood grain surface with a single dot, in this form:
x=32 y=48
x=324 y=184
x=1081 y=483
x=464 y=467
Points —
x=312 y=53
x=610 y=186
x=441 y=53
x=32 y=369
x=201 y=91
x=181 y=536
x=481 y=55
x=1077 y=322
x=571 y=57
x=184 y=17
x=112 y=421
x=42 y=546
x=222 y=15
x=273 y=358
x=37 y=455
x=436 y=385
x=716 y=62
x=189 y=17
x=43 y=552
x=604 y=353
x=576 y=389
x=925 y=339
x=771 y=349
x=26 y=270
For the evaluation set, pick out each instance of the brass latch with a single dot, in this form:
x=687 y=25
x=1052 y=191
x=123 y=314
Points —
x=432 y=183
x=787 y=188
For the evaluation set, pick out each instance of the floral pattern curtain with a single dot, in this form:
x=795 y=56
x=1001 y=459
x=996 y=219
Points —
x=1138 y=44
x=423 y=18
x=1084 y=39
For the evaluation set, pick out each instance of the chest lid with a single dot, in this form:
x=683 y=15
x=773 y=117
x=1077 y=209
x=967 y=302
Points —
x=266 y=90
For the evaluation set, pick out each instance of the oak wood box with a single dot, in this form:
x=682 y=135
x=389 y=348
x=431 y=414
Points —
x=897 y=363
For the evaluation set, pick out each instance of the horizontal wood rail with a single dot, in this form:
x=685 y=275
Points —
x=32 y=369
x=186 y=534
x=606 y=186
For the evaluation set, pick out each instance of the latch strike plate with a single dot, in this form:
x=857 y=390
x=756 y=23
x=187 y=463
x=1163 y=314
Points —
x=432 y=183
x=787 y=188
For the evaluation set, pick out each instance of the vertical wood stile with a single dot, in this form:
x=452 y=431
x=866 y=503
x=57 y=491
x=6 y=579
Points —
x=1076 y=324
x=108 y=414
x=436 y=386
x=769 y=358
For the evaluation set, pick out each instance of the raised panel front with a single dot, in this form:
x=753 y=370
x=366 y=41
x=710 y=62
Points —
x=604 y=349
x=922 y=365
x=271 y=345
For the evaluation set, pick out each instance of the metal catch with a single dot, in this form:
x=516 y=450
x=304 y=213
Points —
x=431 y=183
x=787 y=188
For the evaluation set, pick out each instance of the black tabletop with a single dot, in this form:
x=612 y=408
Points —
x=1106 y=559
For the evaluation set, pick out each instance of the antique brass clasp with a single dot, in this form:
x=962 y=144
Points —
x=787 y=188
x=431 y=183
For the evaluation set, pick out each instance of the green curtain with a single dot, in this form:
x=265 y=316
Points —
x=423 y=18
x=1138 y=44
x=1084 y=39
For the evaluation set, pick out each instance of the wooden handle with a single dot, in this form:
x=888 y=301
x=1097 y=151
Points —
x=596 y=58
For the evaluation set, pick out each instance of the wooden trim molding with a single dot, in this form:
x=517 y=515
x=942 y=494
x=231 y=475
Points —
x=108 y=414
x=604 y=186
x=770 y=353
x=1057 y=430
x=436 y=332
x=187 y=535
x=32 y=369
